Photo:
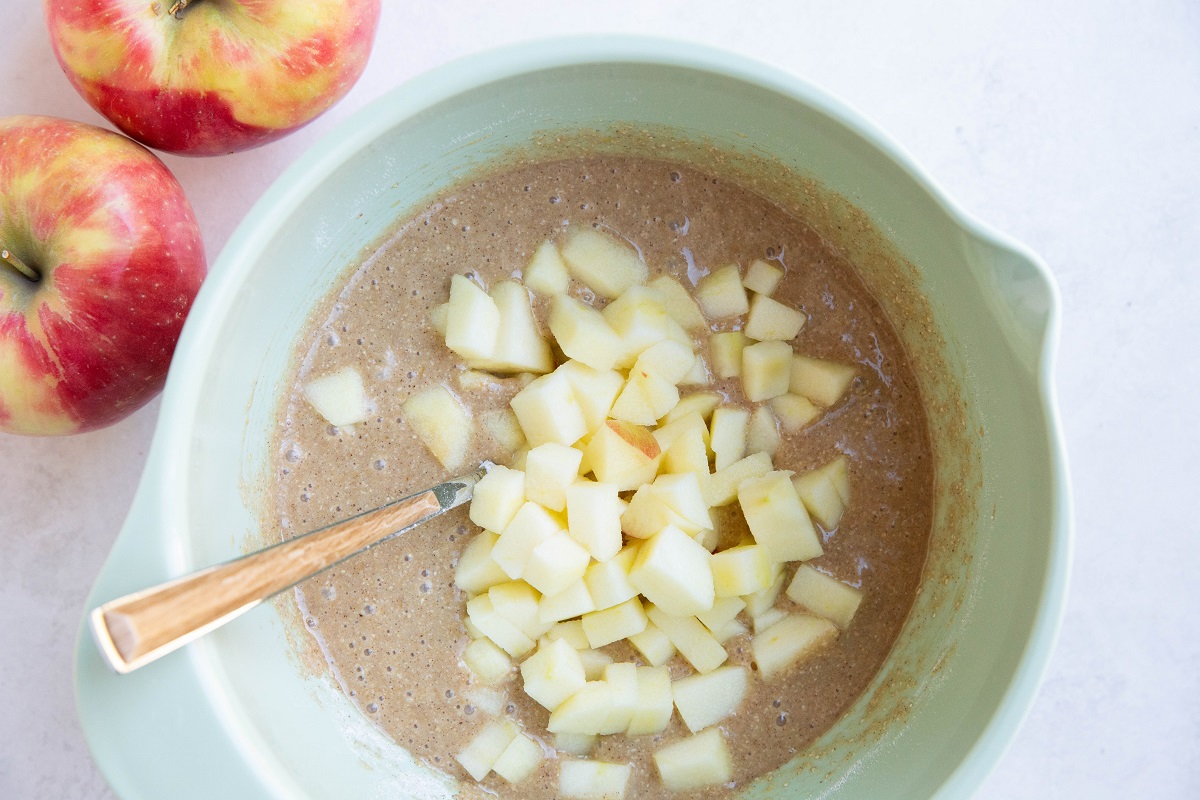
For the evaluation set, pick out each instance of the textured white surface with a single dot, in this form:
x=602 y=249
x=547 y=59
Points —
x=1074 y=126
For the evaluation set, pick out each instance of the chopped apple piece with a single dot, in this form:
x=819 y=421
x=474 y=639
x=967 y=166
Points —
x=476 y=570
x=594 y=517
x=763 y=434
x=759 y=601
x=472 y=320
x=723 y=486
x=741 y=570
x=794 y=412
x=519 y=759
x=614 y=624
x=487 y=662
x=530 y=526
x=688 y=453
x=705 y=700
x=497 y=498
x=608 y=581
x=691 y=639
x=518 y=602
x=654 y=645
x=623 y=454
x=622 y=679
x=502 y=425
x=339 y=397
x=708 y=539
x=441 y=423
x=570 y=632
x=640 y=320
x=729 y=630
x=586 y=711
x=570 y=602
x=762 y=277
x=553 y=674
x=771 y=320
x=698 y=375
x=593 y=780
x=672 y=571
x=825 y=492
x=438 y=316
x=647 y=514
x=654 y=705
x=602 y=262
x=726 y=349
x=721 y=294
x=549 y=469
x=723 y=611
x=671 y=500
x=766 y=370
x=595 y=391
x=700 y=760
x=548 y=411
x=667 y=433
x=583 y=333
x=777 y=518
x=482 y=752
x=488 y=700
x=823 y=382
x=577 y=744
x=555 y=564
x=788 y=641
x=767 y=618
x=507 y=636
x=594 y=663
x=470 y=380
x=546 y=273
x=701 y=403
x=679 y=303
x=669 y=360
x=824 y=596
x=519 y=346
x=728 y=432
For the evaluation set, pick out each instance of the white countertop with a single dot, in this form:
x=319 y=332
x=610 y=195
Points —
x=1074 y=126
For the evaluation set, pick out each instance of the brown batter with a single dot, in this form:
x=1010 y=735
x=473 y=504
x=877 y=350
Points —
x=390 y=621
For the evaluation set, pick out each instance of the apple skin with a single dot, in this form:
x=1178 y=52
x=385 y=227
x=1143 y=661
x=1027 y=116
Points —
x=120 y=258
x=222 y=76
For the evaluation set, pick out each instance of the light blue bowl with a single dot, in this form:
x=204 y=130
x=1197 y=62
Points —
x=243 y=714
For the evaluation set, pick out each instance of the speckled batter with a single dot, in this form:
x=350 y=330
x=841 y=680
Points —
x=390 y=621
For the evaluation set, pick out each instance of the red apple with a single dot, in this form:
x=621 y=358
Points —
x=100 y=259
x=204 y=77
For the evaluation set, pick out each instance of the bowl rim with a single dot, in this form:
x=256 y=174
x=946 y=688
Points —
x=441 y=83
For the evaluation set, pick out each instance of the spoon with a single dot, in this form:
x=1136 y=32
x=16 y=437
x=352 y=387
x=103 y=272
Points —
x=138 y=628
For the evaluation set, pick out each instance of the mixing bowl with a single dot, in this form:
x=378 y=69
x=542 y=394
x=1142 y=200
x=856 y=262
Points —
x=245 y=714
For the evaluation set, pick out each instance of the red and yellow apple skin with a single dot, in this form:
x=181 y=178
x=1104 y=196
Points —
x=109 y=231
x=218 y=76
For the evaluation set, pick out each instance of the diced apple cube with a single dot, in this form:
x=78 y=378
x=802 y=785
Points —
x=705 y=700
x=472 y=320
x=518 y=602
x=788 y=641
x=724 y=609
x=577 y=744
x=487 y=662
x=593 y=780
x=339 y=397
x=762 y=277
x=470 y=380
x=441 y=423
x=518 y=761
x=728 y=431
x=602 y=262
x=825 y=492
x=701 y=403
x=794 y=411
x=571 y=632
x=708 y=539
x=726 y=351
x=721 y=294
x=594 y=518
x=654 y=705
x=476 y=570
x=595 y=390
x=723 y=485
x=506 y=635
x=777 y=518
x=729 y=630
x=767 y=618
x=763 y=433
x=586 y=711
x=683 y=495
x=824 y=596
x=688 y=453
x=594 y=663
x=438 y=318
x=645 y=399
x=668 y=432
x=497 y=498
x=763 y=599
x=679 y=303
x=700 y=760
x=555 y=564
x=672 y=570
x=519 y=346
x=548 y=411
x=771 y=320
x=553 y=674
x=640 y=320
x=546 y=273
x=570 y=602
x=623 y=454
x=583 y=333
x=766 y=370
x=669 y=360
x=614 y=624
x=549 y=469
x=741 y=570
x=608 y=581
x=698 y=375
x=482 y=752
x=823 y=382
x=647 y=514
x=654 y=645
x=502 y=425
x=691 y=639
x=530 y=526
x=622 y=680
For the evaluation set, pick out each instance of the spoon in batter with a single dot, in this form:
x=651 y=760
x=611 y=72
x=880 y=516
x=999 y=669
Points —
x=138 y=628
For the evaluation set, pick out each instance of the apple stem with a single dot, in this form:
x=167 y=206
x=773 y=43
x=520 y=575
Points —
x=20 y=266
x=178 y=8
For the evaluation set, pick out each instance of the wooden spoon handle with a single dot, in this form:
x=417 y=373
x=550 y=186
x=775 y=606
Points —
x=136 y=629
